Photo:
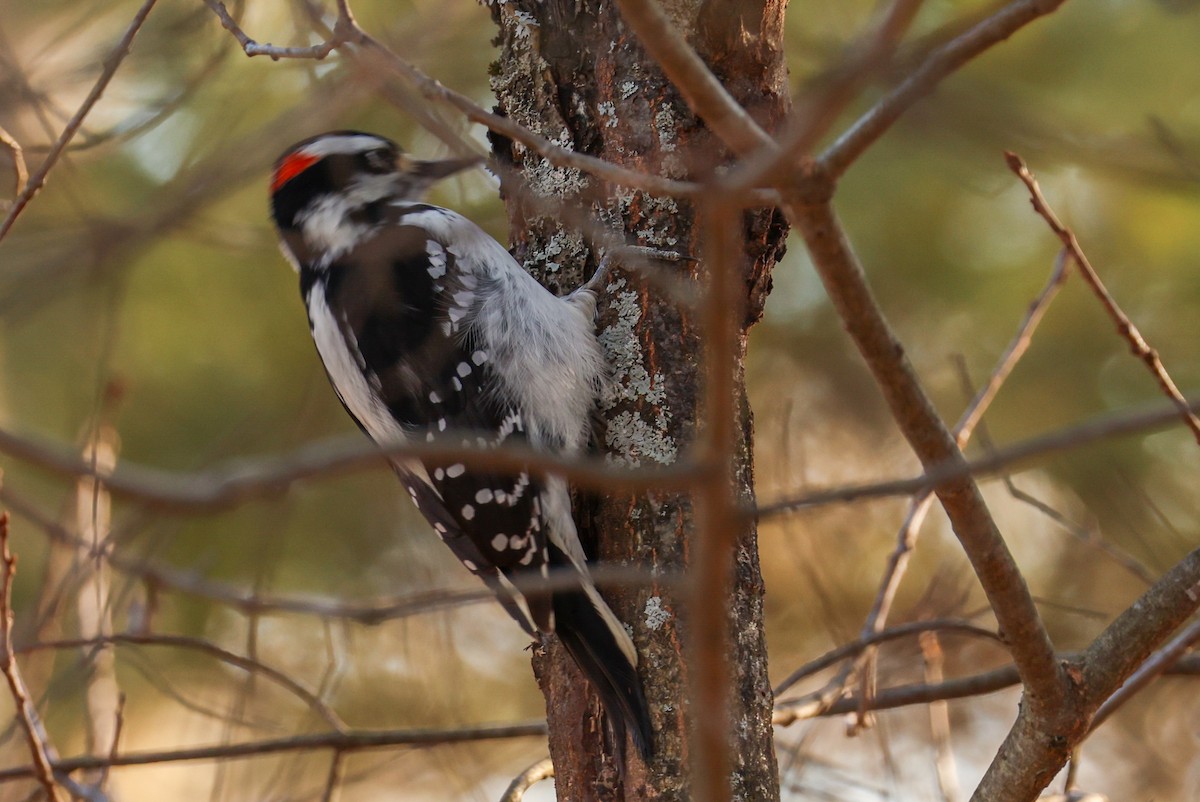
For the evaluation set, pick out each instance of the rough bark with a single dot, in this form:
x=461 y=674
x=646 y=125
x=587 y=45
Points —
x=572 y=72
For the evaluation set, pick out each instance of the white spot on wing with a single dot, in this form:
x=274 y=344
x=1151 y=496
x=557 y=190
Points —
x=437 y=258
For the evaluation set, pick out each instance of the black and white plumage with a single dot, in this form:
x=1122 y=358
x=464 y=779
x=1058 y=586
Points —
x=429 y=328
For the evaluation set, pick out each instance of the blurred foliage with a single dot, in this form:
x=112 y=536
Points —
x=148 y=263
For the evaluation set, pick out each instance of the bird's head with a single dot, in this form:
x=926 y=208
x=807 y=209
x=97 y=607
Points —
x=339 y=176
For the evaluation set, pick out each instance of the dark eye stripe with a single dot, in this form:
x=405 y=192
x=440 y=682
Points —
x=377 y=160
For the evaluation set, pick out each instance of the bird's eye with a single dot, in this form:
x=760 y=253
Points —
x=378 y=161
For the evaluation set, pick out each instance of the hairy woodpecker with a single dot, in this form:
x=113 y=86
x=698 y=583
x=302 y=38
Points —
x=429 y=328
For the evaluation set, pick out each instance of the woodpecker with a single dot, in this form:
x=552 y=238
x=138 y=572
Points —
x=429 y=328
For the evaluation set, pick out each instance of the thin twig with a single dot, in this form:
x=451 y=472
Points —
x=114 y=748
x=1125 y=327
x=333 y=780
x=790 y=711
x=906 y=538
x=1154 y=667
x=1138 y=421
x=811 y=119
x=1095 y=675
x=942 y=62
x=111 y=63
x=20 y=171
x=1085 y=534
x=701 y=90
x=358 y=43
x=242 y=480
x=93 y=519
x=224 y=487
x=939 y=719
x=348 y=741
x=857 y=646
x=341 y=30
x=933 y=443
x=555 y=154
x=35 y=735
x=542 y=770
x=204 y=647
x=370 y=612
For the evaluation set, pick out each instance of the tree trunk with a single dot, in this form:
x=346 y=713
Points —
x=570 y=71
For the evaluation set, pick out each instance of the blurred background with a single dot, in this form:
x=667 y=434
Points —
x=142 y=296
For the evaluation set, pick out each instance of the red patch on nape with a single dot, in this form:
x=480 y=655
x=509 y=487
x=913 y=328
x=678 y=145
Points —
x=292 y=165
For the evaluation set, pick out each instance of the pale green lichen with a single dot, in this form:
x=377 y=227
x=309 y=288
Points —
x=631 y=380
x=633 y=437
x=656 y=614
x=547 y=181
x=608 y=113
x=664 y=124
x=564 y=247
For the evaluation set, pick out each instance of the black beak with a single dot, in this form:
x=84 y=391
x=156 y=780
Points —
x=441 y=169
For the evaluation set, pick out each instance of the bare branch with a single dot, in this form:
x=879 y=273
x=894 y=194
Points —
x=204 y=647
x=906 y=538
x=790 y=711
x=857 y=646
x=111 y=63
x=348 y=36
x=1138 y=421
x=1131 y=638
x=811 y=119
x=939 y=719
x=35 y=735
x=939 y=64
x=347 y=741
x=1037 y=747
x=555 y=154
x=20 y=171
x=542 y=770
x=934 y=444
x=333 y=781
x=242 y=480
x=370 y=612
x=246 y=479
x=93 y=519
x=342 y=29
x=1125 y=327
x=1150 y=670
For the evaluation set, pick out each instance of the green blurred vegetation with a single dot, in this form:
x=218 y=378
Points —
x=148 y=262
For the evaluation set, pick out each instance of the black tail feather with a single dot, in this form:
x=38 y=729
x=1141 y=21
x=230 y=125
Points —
x=594 y=649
